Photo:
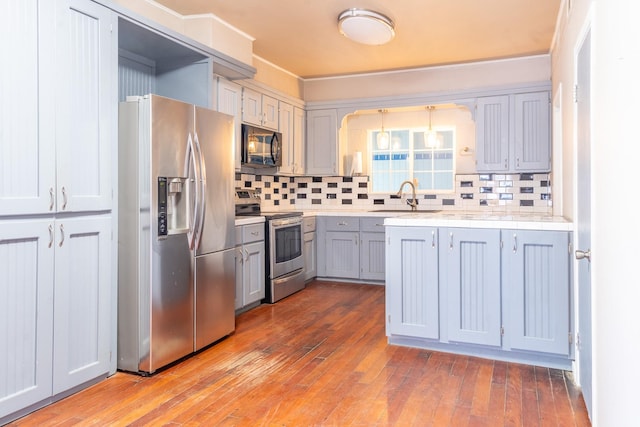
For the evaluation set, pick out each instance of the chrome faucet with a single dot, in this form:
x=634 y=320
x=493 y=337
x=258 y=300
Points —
x=414 y=201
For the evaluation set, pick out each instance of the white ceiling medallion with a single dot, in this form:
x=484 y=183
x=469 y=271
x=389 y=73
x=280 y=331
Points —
x=366 y=26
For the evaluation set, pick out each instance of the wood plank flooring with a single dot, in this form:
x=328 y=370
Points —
x=320 y=358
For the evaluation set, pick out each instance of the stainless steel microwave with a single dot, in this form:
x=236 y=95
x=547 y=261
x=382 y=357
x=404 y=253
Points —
x=261 y=147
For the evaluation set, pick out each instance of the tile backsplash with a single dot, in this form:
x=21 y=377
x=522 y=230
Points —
x=492 y=193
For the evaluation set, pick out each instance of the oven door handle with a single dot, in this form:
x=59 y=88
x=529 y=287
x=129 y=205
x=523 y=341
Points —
x=288 y=276
x=285 y=222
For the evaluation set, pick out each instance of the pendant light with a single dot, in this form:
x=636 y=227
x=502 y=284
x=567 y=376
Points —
x=252 y=146
x=382 y=139
x=431 y=136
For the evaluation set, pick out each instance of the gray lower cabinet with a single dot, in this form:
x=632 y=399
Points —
x=250 y=267
x=351 y=248
x=58 y=285
x=536 y=293
x=470 y=260
x=342 y=254
x=372 y=248
x=495 y=293
x=412 y=269
x=338 y=247
x=309 y=249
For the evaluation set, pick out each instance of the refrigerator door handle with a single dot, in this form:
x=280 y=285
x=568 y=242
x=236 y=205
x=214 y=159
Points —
x=203 y=191
x=190 y=164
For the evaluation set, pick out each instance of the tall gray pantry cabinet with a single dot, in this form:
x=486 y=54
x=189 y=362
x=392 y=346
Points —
x=57 y=130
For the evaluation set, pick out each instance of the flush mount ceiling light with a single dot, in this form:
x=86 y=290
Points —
x=366 y=26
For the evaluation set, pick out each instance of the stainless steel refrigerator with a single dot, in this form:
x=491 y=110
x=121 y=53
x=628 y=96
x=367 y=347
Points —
x=176 y=237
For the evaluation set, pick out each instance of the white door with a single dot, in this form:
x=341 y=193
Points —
x=583 y=241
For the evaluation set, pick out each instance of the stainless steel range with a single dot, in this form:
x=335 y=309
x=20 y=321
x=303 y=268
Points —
x=284 y=263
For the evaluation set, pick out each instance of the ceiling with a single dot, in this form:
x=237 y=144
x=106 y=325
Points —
x=301 y=36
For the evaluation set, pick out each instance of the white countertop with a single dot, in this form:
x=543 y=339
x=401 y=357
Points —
x=515 y=221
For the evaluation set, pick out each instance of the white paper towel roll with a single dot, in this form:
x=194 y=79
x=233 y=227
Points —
x=356 y=163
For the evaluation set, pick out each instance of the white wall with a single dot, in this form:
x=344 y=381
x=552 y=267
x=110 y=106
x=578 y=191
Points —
x=615 y=230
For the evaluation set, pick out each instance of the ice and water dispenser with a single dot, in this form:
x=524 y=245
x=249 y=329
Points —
x=173 y=208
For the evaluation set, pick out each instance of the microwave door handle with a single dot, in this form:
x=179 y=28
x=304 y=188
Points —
x=201 y=205
x=274 y=148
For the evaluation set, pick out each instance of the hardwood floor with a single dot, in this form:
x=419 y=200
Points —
x=320 y=358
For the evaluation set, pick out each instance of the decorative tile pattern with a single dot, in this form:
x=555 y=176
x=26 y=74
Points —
x=495 y=193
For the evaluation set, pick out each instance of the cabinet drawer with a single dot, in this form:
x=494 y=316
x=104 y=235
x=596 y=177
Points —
x=373 y=224
x=252 y=233
x=308 y=224
x=343 y=223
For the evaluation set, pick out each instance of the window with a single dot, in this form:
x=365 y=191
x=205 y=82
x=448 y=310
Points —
x=409 y=158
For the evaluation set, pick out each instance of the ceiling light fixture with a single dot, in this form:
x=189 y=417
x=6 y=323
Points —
x=431 y=139
x=382 y=139
x=366 y=26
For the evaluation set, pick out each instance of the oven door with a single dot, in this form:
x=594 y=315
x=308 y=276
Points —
x=285 y=247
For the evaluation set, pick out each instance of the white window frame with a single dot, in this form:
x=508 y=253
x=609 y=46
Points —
x=411 y=153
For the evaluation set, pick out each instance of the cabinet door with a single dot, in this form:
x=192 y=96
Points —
x=230 y=102
x=27 y=145
x=532 y=138
x=309 y=252
x=253 y=274
x=286 y=128
x=322 y=142
x=536 y=290
x=372 y=259
x=412 y=282
x=239 y=277
x=471 y=258
x=26 y=304
x=298 y=141
x=269 y=112
x=251 y=107
x=86 y=107
x=82 y=334
x=342 y=254
x=492 y=134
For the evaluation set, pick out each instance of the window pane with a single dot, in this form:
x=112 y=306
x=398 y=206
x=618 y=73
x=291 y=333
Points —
x=407 y=157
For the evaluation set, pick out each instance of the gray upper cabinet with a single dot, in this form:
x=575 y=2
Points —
x=470 y=259
x=322 y=142
x=229 y=101
x=492 y=133
x=513 y=133
x=58 y=108
x=536 y=290
x=259 y=109
x=412 y=282
x=532 y=133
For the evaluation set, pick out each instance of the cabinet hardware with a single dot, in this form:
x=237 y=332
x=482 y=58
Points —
x=51 y=198
x=61 y=235
x=433 y=239
x=450 y=240
x=51 y=237
x=255 y=233
x=342 y=223
x=501 y=330
x=515 y=243
x=64 y=198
